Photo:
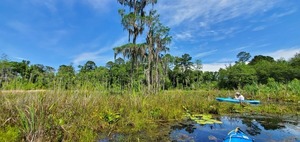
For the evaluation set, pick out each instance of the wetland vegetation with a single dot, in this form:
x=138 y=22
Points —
x=88 y=116
x=138 y=97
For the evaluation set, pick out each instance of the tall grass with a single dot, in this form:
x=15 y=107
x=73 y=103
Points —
x=274 y=91
x=92 y=115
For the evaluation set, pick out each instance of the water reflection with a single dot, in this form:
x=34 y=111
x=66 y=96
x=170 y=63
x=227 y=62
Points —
x=260 y=128
x=188 y=126
x=254 y=128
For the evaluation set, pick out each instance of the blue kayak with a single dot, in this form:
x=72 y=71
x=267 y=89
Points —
x=237 y=101
x=237 y=135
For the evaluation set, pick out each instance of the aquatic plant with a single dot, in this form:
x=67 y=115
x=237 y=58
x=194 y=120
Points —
x=201 y=118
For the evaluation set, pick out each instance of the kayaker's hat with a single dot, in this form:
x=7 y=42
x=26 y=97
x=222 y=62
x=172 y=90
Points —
x=237 y=93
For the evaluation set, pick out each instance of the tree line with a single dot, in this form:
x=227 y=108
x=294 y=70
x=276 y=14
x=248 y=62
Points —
x=177 y=72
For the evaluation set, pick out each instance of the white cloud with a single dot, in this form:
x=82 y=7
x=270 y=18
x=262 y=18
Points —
x=221 y=63
x=214 y=66
x=284 y=53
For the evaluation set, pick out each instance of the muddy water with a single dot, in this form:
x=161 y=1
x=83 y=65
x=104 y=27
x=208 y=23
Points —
x=259 y=128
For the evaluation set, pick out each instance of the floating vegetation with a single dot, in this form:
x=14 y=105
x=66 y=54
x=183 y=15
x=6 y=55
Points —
x=201 y=118
x=204 y=119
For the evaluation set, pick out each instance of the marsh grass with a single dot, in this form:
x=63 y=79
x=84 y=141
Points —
x=59 y=115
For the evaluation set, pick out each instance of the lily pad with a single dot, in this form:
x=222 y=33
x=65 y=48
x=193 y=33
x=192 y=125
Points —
x=204 y=119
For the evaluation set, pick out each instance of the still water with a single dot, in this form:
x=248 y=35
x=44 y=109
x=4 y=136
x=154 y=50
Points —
x=259 y=128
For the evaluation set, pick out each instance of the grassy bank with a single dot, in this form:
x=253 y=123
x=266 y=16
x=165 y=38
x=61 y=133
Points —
x=92 y=115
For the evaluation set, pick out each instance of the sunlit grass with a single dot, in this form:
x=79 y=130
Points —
x=91 y=115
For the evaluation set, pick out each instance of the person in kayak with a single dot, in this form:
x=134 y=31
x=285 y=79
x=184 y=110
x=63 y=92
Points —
x=239 y=96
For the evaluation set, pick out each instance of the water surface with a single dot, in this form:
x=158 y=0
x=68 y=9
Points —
x=259 y=128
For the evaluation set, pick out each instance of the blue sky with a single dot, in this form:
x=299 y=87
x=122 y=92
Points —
x=56 y=32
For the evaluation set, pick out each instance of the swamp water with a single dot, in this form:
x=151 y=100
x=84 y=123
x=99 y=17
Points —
x=259 y=128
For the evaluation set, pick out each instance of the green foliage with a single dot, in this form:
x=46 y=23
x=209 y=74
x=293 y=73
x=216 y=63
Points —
x=9 y=134
x=294 y=87
x=295 y=61
x=281 y=71
x=253 y=89
x=259 y=58
x=88 y=66
x=87 y=135
x=263 y=71
x=28 y=119
x=273 y=85
x=156 y=113
x=237 y=76
x=111 y=118
x=243 y=57
x=182 y=74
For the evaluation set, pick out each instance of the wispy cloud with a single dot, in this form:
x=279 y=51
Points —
x=240 y=48
x=279 y=15
x=52 y=5
x=183 y=36
x=207 y=19
x=259 y=28
x=284 y=53
x=250 y=46
x=20 y=58
x=227 y=32
x=97 y=56
x=49 y=4
x=100 y=56
x=20 y=27
x=203 y=54
x=100 y=5
x=212 y=11
x=226 y=60
x=262 y=45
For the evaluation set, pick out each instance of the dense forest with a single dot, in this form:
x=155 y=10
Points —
x=173 y=72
